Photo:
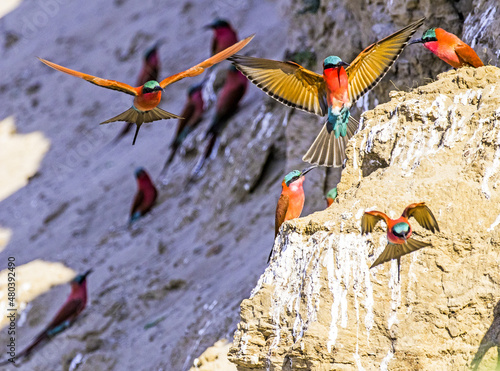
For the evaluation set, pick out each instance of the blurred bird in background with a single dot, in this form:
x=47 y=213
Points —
x=65 y=317
x=224 y=35
x=191 y=117
x=226 y=106
x=145 y=197
x=449 y=48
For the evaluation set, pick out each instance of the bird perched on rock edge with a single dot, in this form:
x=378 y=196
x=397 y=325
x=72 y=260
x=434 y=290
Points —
x=291 y=201
x=449 y=48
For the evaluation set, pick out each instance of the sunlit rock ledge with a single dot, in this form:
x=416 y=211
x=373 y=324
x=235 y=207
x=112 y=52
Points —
x=318 y=306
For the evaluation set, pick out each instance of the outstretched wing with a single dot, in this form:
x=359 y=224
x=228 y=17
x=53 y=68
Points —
x=370 y=220
x=372 y=64
x=199 y=68
x=423 y=215
x=394 y=251
x=281 y=209
x=287 y=82
x=108 y=84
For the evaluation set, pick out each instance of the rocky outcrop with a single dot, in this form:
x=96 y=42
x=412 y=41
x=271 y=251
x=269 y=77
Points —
x=318 y=306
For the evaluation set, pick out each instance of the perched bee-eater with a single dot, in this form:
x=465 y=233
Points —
x=331 y=195
x=66 y=316
x=399 y=231
x=145 y=197
x=232 y=91
x=148 y=96
x=331 y=93
x=150 y=71
x=291 y=201
x=191 y=117
x=224 y=35
x=449 y=48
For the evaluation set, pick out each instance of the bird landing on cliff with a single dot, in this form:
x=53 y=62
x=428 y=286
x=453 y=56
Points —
x=291 y=201
x=399 y=231
x=331 y=93
x=449 y=48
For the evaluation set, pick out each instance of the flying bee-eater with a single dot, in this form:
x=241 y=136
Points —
x=291 y=201
x=145 y=197
x=399 y=231
x=229 y=97
x=331 y=196
x=150 y=71
x=148 y=96
x=449 y=48
x=191 y=117
x=224 y=35
x=331 y=93
x=65 y=317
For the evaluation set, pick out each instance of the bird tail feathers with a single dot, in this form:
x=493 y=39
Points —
x=329 y=150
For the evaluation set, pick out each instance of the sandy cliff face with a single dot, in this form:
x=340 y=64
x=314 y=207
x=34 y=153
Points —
x=319 y=306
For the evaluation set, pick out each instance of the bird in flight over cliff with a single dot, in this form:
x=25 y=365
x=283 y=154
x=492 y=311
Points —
x=449 y=48
x=64 y=318
x=331 y=93
x=399 y=231
x=145 y=197
x=291 y=201
x=148 y=96
x=150 y=71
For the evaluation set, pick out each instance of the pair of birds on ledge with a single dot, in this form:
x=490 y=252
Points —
x=331 y=94
x=399 y=231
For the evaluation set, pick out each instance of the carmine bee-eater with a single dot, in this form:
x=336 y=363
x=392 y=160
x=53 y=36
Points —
x=291 y=201
x=232 y=91
x=191 y=117
x=224 y=35
x=449 y=48
x=331 y=196
x=399 y=231
x=148 y=96
x=150 y=71
x=145 y=197
x=64 y=318
x=331 y=93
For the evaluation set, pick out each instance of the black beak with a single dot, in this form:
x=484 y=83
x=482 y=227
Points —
x=208 y=26
x=417 y=41
x=306 y=170
x=158 y=88
x=87 y=273
x=344 y=64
